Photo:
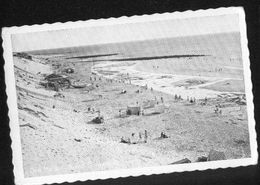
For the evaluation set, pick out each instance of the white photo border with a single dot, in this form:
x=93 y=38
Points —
x=13 y=110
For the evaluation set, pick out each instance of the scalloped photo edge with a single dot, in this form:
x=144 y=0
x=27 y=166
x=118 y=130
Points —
x=19 y=171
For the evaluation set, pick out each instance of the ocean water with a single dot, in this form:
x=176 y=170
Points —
x=221 y=45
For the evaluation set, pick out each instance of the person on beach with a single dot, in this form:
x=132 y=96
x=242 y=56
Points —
x=140 y=136
x=162 y=99
x=133 y=139
x=216 y=109
x=128 y=140
x=145 y=136
x=163 y=135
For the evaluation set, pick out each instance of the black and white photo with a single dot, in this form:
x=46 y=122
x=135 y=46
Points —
x=130 y=96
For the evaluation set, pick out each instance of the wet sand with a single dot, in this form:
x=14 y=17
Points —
x=199 y=77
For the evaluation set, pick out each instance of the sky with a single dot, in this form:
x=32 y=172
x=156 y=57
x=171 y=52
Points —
x=124 y=32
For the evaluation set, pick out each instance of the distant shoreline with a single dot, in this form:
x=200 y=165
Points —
x=149 y=74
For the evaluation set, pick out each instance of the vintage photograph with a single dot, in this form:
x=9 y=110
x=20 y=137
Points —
x=130 y=93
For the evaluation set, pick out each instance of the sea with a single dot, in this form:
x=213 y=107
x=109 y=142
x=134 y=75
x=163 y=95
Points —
x=223 y=44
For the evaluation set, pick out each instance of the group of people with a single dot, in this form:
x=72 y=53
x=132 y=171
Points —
x=140 y=137
x=94 y=78
x=134 y=139
x=93 y=110
x=218 y=109
x=218 y=69
x=191 y=99
x=177 y=97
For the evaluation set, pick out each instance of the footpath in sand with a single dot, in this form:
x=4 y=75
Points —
x=57 y=136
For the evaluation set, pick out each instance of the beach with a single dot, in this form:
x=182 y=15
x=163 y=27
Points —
x=58 y=137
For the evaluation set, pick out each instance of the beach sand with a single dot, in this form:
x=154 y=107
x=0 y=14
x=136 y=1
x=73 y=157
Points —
x=57 y=137
x=199 y=77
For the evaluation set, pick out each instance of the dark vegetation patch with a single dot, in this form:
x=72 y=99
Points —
x=23 y=55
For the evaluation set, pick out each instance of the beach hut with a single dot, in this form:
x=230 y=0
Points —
x=133 y=110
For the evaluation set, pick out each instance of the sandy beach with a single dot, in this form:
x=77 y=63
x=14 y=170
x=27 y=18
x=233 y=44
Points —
x=58 y=137
x=186 y=76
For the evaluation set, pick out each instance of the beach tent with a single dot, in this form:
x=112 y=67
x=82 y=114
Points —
x=133 y=110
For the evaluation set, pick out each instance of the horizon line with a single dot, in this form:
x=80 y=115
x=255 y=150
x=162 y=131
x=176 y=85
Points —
x=140 y=40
